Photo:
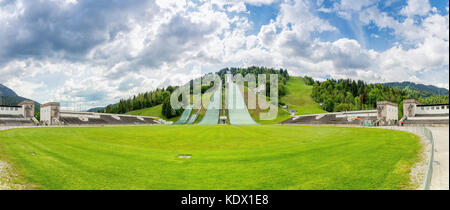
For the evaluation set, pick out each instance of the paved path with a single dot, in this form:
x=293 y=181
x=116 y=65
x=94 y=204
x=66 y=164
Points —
x=439 y=180
x=12 y=127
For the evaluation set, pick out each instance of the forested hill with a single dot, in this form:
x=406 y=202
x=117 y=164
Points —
x=347 y=94
x=162 y=96
x=332 y=95
x=283 y=76
x=421 y=89
x=5 y=91
x=10 y=98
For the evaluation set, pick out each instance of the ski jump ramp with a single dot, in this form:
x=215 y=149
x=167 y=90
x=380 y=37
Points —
x=185 y=116
x=192 y=119
x=237 y=109
x=212 y=113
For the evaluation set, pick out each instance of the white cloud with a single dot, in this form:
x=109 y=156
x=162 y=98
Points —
x=267 y=35
x=299 y=18
x=355 y=5
x=24 y=88
x=143 y=48
x=416 y=7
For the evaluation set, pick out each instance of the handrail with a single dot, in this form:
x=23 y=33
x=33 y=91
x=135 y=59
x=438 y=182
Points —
x=427 y=134
x=429 y=174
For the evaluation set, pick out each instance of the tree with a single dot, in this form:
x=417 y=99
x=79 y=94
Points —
x=347 y=94
x=167 y=110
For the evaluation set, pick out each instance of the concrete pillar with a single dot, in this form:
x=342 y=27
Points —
x=409 y=107
x=387 y=113
x=27 y=108
x=50 y=113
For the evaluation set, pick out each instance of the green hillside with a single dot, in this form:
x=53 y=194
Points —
x=255 y=113
x=298 y=97
x=155 y=111
x=423 y=90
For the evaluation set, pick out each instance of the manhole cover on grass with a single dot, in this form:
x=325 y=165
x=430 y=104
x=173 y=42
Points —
x=184 y=156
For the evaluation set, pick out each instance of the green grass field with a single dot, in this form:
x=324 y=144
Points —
x=223 y=157
x=299 y=98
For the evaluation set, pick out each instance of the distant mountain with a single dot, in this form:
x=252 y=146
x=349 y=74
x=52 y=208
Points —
x=96 y=109
x=10 y=98
x=425 y=90
x=5 y=91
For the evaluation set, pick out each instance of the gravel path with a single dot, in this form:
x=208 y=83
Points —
x=3 y=177
x=6 y=174
x=439 y=180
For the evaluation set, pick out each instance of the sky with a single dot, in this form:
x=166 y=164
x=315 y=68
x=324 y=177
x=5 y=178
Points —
x=86 y=53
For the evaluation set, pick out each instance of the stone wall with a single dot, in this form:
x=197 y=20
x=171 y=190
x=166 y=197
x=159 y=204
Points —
x=387 y=113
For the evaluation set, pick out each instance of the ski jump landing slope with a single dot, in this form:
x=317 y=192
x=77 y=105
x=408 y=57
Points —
x=192 y=119
x=185 y=116
x=237 y=109
x=212 y=113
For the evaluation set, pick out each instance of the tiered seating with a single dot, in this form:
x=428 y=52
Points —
x=11 y=116
x=329 y=119
x=431 y=115
x=96 y=121
x=149 y=121
x=426 y=122
x=103 y=119
x=428 y=119
x=110 y=120
x=300 y=120
x=344 y=121
x=14 y=120
x=72 y=121
x=130 y=120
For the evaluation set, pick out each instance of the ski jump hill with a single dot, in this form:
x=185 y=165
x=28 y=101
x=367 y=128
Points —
x=237 y=109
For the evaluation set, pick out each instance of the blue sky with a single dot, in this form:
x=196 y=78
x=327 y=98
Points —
x=92 y=53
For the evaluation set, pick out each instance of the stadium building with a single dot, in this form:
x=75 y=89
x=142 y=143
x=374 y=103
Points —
x=416 y=114
x=23 y=114
x=51 y=114
x=385 y=114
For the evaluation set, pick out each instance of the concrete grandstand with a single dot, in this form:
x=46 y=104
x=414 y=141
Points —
x=23 y=114
x=415 y=114
x=386 y=114
x=51 y=114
